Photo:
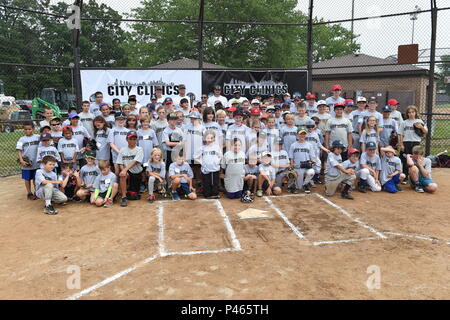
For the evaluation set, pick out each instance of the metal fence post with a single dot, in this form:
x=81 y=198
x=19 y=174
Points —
x=200 y=34
x=76 y=56
x=309 y=44
x=430 y=91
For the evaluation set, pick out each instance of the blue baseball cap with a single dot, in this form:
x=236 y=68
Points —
x=73 y=115
x=337 y=144
x=371 y=145
x=387 y=109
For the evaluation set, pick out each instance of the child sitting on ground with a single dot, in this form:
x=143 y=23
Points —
x=88 y=173
x=156 y=171
x=181 y=175
x=105 y=186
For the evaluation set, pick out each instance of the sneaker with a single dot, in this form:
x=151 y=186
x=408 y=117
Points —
x=362 y=188
x=76 y=199
x=123 y=202
x=307 y=188
x=108 y=203
x=142 y=188
x=347 y=196
x=419 y=189
x=31 y=196
x=398 y=188
x=291 y=190
x=259 y=193
x=151 y=198
x=50 y=210
x=175 y=196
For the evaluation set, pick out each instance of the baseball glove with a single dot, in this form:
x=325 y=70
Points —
x=27 y=160
x=393 y=139
x=292 y=175
x=418 y=131
x=90 y=144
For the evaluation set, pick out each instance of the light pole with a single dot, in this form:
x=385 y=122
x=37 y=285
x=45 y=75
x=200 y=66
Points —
x=414 y=18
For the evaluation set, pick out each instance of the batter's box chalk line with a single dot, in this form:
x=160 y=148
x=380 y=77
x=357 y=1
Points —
x=236 y=246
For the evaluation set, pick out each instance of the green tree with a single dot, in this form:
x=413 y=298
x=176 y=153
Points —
x=232 y=45
x=444 y=72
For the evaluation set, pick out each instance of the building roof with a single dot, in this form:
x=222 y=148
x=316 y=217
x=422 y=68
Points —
x=187 y=64
x=362 y=65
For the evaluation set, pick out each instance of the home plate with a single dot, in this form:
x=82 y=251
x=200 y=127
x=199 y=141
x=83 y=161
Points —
x=253 y=214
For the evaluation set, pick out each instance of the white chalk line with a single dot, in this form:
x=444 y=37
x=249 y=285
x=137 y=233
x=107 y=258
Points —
x=341 y=210
x=189 y=253
x=318 y=243
x=285 y=219
x=161 y=247
x=112 y=278
x=420 y=237
x=226 y=221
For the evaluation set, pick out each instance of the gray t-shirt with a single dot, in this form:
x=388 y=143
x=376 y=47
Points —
x=268 y=170
x=366 y=114
x=87 y=120
x=347 y=164
x=280 y=158
x=388 y=166
x=211 y=158
x=407 y=130
x=118 y=136
x=251 y=170
x=79 y=133
x=175 y=169
x=47 y=151
x=41 y=175
x=171 y=135
x=104 y=149
x=333 y=160
x=271 y=137
x=193 y=137
x=355 y=115
x=103 y=182
x=313 y=139
x=301 y=122
x=158 y=127
x=127 y=155
x=389 y=126
x=233 y=163
x=68 y=148
x=110 y=120
x=95 y=109
x=301 y=152
x=289 y=136
x=371 y=136
x=157 y=167
x=339 y=129
x=88 y=174
x=29 y=146
x=147 y=141
x=373 y=162
x=240 y=132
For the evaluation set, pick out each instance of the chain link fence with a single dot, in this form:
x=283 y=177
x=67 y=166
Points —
x=354 y=44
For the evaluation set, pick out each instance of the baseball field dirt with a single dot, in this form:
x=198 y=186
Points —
x=379 y=246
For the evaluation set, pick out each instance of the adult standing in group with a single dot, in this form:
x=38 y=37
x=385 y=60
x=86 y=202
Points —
x=335 y=98
x=217 y=97
x=181 y=95
x=238 y=97
x=95 y=106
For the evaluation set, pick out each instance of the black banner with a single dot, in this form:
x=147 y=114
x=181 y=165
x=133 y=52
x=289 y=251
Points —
x=253 y=83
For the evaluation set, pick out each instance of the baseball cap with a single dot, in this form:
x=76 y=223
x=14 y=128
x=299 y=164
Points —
x=234 y=101
x=67 y=128
x=279 y=140
x=217 y=102
x=286 y=105
x=353 y=150
x=74 y=115
x=349 y=102
x=255 y=101
x=45 y=136
x=287 y=94
x=309 y=123
x=301 y=130
x=195 y=114
x=310 y=96
x=315 y=117
x=373 y=99
x=232 y=109
x=266 y=154
x=55 y=118
x=371 y=145
x=236 y=91
x=120 y=115
x=386 y=109
x=238 y=112
x=184 y=100
x=393 y=102
x=270 y=109
x=153 y=97
x=339 y=105
x=172 y=116
x=255 y=111
x=151 y=106
x=337 y=144
x=168 y=100
x=336 y=87
x=181 y=86
x=361 y=99
x=90 y=154
x=158 y=88
x=321 y=102
x=131 y=134
x=297 y=95
x=217 y=87
x=277 y=107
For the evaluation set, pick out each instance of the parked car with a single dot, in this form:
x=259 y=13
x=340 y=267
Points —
x=24 y=104
x=15 y=120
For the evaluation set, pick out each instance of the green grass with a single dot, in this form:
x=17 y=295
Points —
x=8 y=155
x=441 y=129
x=443 y=106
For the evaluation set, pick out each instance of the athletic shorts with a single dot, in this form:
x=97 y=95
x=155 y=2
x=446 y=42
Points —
x=102 y=195
x=424 y=182
x=184 y=189
x=234 y=195
x=28 y=174
x=389 y=186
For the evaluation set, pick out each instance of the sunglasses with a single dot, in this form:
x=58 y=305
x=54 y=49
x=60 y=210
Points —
x=310 y=127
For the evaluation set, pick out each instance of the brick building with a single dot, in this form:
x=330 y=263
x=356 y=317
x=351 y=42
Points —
x=361 y=74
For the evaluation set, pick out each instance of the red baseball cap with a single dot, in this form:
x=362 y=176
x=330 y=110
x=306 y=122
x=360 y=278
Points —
x=310 y=96
x=353 y=150
x=339 y=105
x=393 y=102
x=232 y=109
x=349 y=102
x=255 y=111
x=336 y=87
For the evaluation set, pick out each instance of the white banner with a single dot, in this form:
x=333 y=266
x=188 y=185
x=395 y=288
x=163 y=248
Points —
x=142 y=83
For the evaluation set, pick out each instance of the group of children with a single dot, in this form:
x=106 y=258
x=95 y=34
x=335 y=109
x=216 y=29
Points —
x=238 y=148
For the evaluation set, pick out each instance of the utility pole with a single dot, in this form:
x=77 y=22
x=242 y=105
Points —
x=74 y=23
x=309 y=44
x=200 y=34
